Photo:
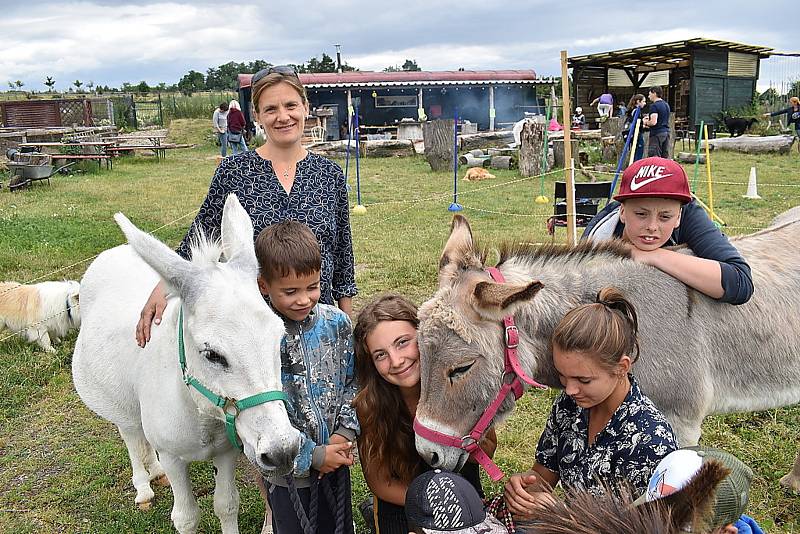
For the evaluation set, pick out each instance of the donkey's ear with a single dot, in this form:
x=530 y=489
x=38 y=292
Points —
x=494 y=301
x=237 y=236
x=459 y=252
x=176 y=271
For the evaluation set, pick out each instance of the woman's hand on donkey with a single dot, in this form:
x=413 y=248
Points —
x=151 y=313
x=524 y=496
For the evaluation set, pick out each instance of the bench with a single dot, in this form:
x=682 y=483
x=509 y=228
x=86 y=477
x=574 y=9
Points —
x=159 y=150
x=81 y=157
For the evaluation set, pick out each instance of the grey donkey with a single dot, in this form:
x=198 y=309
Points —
x=698 y=356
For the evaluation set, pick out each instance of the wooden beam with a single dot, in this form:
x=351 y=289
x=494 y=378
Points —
x=568 y=171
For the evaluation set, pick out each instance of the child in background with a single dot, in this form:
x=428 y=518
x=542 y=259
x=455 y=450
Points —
x=578 y=119
x=317 y=372
x=602 y=431
x=637 y=101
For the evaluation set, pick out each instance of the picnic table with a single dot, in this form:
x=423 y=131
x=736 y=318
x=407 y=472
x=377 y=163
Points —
x=132 y=143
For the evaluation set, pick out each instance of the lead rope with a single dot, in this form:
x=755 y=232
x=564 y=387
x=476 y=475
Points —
x=308 y=522
x=298 y=507
x=338 y=499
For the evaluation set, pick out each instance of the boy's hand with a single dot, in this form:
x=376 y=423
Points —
x=336 y=455
x=337 y=439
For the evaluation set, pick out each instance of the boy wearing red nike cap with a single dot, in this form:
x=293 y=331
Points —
x=654 y=209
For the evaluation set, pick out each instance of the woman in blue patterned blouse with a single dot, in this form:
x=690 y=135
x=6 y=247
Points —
x=602 y=431
x=279 y=181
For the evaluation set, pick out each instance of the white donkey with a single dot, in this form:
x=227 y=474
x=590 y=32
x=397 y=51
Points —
x=216 y=354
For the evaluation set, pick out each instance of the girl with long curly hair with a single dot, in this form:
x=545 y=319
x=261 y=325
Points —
x=387 y=366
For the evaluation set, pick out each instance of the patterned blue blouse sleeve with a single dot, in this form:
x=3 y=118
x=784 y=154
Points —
x=547 y=449
x=209 y=217
x=344 y=277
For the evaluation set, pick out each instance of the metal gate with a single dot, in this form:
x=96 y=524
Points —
x=147 y=112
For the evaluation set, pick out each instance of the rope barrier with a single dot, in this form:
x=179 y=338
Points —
x=412 y=204
x=90 y=258
x=448 y=194
x=20 y=332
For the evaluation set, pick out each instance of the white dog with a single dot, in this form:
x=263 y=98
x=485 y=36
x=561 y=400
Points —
x=43 y=312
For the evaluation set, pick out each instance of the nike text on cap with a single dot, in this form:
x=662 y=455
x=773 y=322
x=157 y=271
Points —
x=654 y=177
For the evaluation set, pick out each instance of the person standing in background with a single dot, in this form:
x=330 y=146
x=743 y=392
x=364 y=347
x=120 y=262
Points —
x=657 y=119
x=236 y=124
x=220 y=123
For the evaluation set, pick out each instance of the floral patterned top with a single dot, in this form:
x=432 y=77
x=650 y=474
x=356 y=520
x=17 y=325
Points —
x=318 y=199
x=628 y=449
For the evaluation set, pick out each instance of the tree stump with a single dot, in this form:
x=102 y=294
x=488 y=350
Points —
x=531 y=151
x=503 y=162
x=558 y=151
x=611 y=128
x=438 y=136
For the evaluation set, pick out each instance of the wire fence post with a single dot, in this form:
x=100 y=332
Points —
x=359 y=208
x=455 y=206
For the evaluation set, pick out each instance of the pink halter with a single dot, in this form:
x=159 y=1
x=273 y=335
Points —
x=512 y=370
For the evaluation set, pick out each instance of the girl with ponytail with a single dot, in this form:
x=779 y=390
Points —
x=602 y=430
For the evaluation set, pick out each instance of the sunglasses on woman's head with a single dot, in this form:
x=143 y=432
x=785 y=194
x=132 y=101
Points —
x=285 y=70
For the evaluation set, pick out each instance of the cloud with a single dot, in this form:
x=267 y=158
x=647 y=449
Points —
x=115 y=41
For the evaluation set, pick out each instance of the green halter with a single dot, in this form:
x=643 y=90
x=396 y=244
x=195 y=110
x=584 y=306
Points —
x=231 y=407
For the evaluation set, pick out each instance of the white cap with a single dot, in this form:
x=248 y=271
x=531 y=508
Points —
x=579 y=110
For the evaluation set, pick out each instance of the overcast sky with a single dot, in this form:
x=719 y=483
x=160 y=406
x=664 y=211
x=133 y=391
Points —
x=110 y=42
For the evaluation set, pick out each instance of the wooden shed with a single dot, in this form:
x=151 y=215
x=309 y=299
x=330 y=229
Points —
x=700 y=77
x=488 y=99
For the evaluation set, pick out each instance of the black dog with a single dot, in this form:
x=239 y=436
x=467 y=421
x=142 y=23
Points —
x=737 y=126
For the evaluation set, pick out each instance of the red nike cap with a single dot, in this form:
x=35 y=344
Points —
x=655 y=177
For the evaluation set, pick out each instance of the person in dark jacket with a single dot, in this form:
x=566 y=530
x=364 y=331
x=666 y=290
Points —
x=655 y=209
x=793 y=114
x=236 y=124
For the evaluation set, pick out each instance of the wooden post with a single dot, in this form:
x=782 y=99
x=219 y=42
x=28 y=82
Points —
x=420 y=107
x=437 y=136
x=671 y=144
x=492 y=113
x=568 y=175
x=531 y=148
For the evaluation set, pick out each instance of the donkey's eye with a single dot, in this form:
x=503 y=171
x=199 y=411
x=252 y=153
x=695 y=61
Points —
x=460 y=371
x=214 y=357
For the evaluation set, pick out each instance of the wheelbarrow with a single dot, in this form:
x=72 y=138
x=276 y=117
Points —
x=24 y=174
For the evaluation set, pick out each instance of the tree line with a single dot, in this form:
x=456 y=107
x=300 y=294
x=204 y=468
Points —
x=221 y=78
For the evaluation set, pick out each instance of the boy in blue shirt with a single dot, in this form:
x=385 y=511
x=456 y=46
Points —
x=318 y=375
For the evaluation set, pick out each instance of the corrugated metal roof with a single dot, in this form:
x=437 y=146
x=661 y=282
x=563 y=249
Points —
x=661 y=56
x=369 y=79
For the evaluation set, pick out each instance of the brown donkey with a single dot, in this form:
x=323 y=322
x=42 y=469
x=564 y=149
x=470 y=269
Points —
x=698 y=356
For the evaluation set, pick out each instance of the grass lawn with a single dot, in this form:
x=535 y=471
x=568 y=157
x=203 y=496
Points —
x=63 y=469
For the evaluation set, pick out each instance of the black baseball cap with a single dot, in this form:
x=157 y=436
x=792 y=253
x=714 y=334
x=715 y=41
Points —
x=440 y=501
